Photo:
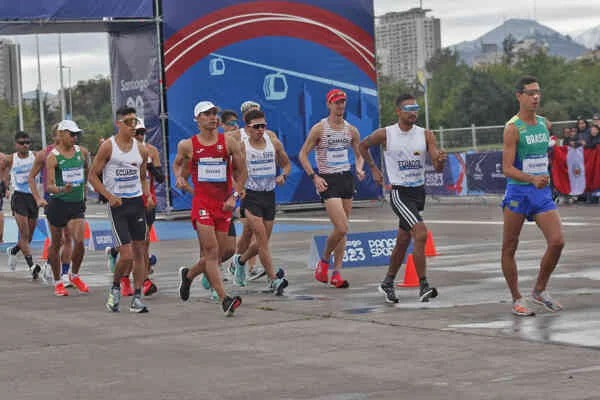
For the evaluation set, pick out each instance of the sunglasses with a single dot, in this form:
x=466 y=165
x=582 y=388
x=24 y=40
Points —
x=129 y=121
x=410 y=107
x=258 y=126
x=140 y=132
x=24 y=142
x=74 y=134
x=232 y=122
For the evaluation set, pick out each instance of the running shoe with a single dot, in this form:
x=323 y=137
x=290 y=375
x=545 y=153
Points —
x=126 y=289
x=184 y=284
x=46 y=275
x=205 y=283
x=427 y=292
x=12 y=260
x=278 y=286
x=113 y=299
x=214 y=296
x=322 y=271
x=544 y=299
x=239 y=277
x=110 y=260
x=79 y=284
x=137 y=306
x=35 y=272
x=60 y=290
x=66 y=278
x=337 y=281
x=256 y=273
x=149 y=288
x=389 y=292
x=230 y=304
x=520 y=308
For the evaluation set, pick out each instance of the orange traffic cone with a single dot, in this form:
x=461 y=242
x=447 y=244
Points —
x=410 y=274
x=44 y=256
x=430 y=245
x=153 y=235
x=87 y=233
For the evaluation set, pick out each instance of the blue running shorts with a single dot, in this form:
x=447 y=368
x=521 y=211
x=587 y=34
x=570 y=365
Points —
x=528 y=200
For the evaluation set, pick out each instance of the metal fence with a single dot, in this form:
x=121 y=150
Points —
x=482 y=137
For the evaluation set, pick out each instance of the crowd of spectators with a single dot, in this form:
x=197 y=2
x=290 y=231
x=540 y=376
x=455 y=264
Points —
x=584 y=133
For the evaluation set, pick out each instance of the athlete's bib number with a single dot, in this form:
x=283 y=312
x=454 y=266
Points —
x=337 y=157
x=212 y=170
x=21 y=177
x=73 y=176
x=262 y=169
x=536 y=166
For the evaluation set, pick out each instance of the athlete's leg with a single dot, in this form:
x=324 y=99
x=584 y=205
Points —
x=76 y=228
x=513 y=224
x=549 y=224
x=339 y=219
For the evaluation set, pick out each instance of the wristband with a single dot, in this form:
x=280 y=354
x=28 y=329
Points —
x=312 y=176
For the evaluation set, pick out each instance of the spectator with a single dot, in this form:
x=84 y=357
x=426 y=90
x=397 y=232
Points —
x=596 y=119
x=574 y=139
x=593 y=139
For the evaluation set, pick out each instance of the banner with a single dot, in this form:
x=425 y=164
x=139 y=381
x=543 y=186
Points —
x=575 y=170
x=451 y=181
x=48 y=10
x=365 y=249
x=286 y=55
x=135 y=83
x=484 y=173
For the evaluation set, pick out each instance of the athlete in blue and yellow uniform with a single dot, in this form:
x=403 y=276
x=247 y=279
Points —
x=528 y=195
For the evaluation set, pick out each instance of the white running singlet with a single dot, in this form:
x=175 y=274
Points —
x=405 y=155
x=332 y=150
x=121 y=174
x=19 y=173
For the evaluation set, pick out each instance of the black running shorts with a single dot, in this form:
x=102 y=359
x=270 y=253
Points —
x=407 y=203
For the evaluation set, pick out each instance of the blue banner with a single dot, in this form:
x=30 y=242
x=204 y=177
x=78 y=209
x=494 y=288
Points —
x=484 y=173
x=451 y=181
x=365 y=249
x=286 y=55
x=135 y=83
x=49 y=10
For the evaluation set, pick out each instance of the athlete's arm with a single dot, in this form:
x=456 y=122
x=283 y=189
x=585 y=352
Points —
x=155 y=167
x=509 y=153
x=143 y=174
x=438 y=157
x=102 y=157
x=376 y=138
x=38 y=164
x=9 y=163
x=181 y=163
x=4 y=174
x=360 y=161
x=311 y=141
x=51 y=177
x=283 y=161
x=240 y=172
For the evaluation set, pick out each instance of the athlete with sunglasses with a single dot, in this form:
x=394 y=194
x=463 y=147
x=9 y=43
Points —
x=23 y=205
x=405 y=149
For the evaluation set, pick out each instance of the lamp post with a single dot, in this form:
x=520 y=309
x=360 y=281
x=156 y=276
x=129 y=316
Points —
x=70 y=113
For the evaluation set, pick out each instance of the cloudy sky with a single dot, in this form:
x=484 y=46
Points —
x=87 y=54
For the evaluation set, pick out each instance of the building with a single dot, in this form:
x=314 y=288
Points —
x=9 y=68
x=405 y=41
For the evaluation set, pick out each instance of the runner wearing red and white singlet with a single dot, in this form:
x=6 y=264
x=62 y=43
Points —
x=212 y=160
x=332 y=138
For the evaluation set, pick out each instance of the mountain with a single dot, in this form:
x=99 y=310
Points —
x=521 y=29
x=589 y=38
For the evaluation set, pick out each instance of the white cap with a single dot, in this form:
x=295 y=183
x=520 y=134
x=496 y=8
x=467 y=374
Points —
x=139 y=124
x=203 y=106
x=247 y=105
x=68 y=125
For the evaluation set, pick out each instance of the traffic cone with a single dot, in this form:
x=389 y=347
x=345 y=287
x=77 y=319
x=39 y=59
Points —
x=410 y=274
x=87 y=233
x=430 y=246
x=153 y=235
x=44 y=256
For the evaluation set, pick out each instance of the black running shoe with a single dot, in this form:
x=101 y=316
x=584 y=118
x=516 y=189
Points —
x=389 y=292
x=427 y=293
x=35 y=272
x=230 y=304
x=184 y=284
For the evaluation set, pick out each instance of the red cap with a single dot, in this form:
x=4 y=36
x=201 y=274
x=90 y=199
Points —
x=334 y=95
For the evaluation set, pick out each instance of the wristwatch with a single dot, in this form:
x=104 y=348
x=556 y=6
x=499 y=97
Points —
x=235 y=195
